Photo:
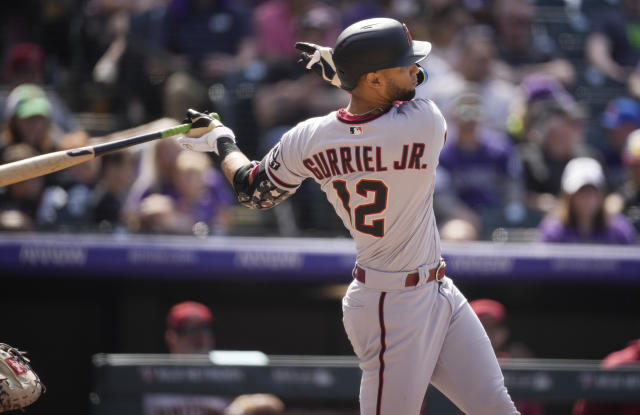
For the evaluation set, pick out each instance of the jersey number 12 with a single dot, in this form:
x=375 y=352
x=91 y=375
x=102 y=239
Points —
x=363 y=188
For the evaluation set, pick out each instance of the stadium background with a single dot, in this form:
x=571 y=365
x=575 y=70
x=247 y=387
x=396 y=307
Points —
x=64 y=313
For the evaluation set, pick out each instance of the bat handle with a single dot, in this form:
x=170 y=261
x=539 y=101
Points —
x=178 y=129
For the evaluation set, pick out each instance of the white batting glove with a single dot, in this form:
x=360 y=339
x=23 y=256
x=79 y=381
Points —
x=320 y=60
x=205 y=132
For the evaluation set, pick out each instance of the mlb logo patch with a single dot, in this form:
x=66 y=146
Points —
x=355 y=130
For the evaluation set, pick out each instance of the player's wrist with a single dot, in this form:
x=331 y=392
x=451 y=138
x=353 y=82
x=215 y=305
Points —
x=226 y=145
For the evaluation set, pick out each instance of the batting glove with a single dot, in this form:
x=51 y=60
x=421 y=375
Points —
x=205 y=132
x=320 y=60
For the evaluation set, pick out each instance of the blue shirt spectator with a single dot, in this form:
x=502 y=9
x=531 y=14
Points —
x=620 y=118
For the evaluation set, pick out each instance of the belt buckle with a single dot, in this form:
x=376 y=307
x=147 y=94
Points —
x=441 y=265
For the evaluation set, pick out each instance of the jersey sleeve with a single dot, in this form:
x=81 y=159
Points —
x=428 y=119
x=283 y=163
x=439 y=125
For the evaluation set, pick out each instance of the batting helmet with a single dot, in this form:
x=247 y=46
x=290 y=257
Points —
x=373 y=44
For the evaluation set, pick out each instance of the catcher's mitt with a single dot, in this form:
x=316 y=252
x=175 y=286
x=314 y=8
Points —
x=20 y=386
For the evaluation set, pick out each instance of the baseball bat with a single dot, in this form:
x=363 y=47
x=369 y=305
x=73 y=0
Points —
x=31 y=167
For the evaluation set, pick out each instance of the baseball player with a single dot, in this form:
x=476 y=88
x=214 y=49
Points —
x=376 y=161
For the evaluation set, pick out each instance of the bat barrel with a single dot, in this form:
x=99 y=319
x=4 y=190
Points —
x=48 y=163
x=44 y=164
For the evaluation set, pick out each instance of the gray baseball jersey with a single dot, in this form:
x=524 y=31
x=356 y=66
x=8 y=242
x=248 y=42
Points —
x=378 y=172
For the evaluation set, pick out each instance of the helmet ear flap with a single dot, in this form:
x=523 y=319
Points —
x=423 y=76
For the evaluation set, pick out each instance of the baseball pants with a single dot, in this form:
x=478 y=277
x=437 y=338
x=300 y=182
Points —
x=410 y=337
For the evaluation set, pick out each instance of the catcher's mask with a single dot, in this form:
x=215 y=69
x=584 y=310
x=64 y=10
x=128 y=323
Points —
x=373 y=44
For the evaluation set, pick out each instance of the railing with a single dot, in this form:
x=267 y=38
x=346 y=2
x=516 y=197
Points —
x=121 y=381
x=298 y=259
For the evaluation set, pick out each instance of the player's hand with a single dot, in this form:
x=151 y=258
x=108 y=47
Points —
x=320 y=60
x=205 y=132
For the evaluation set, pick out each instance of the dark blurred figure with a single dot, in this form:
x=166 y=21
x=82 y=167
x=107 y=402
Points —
x=289 y=95
x=155 y=215
x=201 y=196
x=581 y=216
x=613 y=46
x=116 y=176
x=522 y=49
x=619 y=119
x=189 y=328
x=210 y=40
x=479 y=175
x=20 y=202
x=555 y=135
x=255 y=404
x=156 y=172
x=618 y=359
x=492 y=315
x=28 y=120
x=68 y=204
x=629 y=191
x=188 y=331
x=475 y=71
x=276 y=26
x=25 y=64
x=444 y=26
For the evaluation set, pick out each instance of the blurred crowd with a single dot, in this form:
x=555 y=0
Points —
x=542 y=100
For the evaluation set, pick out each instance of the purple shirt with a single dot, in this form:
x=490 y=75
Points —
x=617 y=231
x=479 y=177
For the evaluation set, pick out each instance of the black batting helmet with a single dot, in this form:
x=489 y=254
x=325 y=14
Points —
x=373 y=44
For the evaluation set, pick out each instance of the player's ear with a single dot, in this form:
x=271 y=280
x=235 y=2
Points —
x=373 y=79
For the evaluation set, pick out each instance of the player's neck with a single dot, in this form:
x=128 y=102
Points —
x=361 y=106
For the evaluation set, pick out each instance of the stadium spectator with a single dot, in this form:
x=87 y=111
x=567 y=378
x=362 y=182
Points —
x=68 y=204
x=620 y=118
x=209 y=40
x=156 y=173
x=352 y=11
x=282 y=101
x=255 y=404
x=475 y=71
x=22 y=199
x=25 y=64
x=276 y=27
x=202 y=197
x=27 y=119
x=523 y=50
x=479 y=177
x=188 y=331
x=611 y=46
x=155 y=215
x=581 y=216
x=554 y=136
x=540 y=95
x=189 y=328
x=444 y=25
x=618 y=359
x=116 y=175
x=492 y=315
x=629 y=191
